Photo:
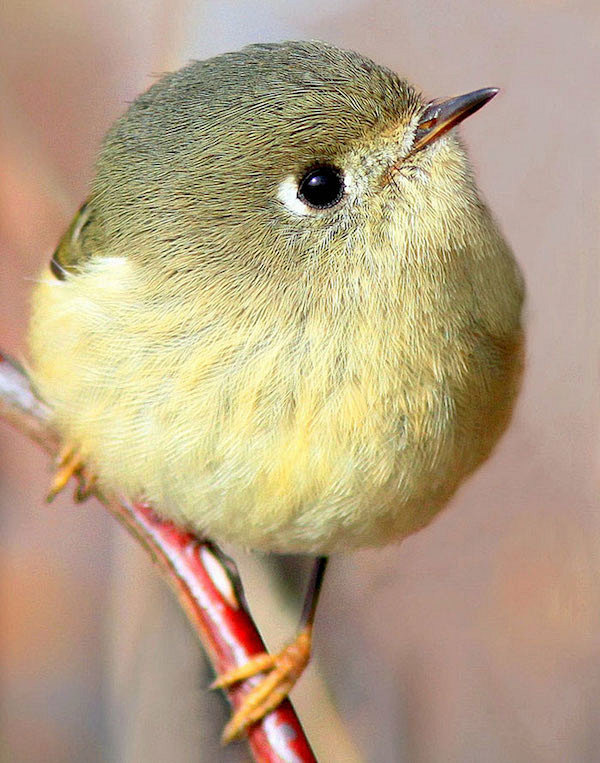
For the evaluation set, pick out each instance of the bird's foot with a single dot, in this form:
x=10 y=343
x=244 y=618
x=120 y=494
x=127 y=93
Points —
x=70 y=463
x=281 y=670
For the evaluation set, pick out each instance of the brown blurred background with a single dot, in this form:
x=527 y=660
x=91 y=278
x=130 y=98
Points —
x=476 y=640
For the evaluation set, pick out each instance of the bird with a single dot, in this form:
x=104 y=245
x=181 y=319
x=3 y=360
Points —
x=285 y=316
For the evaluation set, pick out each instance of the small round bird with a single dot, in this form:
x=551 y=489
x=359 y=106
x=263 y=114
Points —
x=284 y=316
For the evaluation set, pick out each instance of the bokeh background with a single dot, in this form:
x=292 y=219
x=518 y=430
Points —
x=477 y=639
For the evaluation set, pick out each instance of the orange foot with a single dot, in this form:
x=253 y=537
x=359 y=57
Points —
x=70 y=464
x=282 y=671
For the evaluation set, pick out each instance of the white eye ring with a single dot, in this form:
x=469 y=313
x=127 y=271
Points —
x=287 y=194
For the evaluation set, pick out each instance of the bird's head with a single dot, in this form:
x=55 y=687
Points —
x=290 y=159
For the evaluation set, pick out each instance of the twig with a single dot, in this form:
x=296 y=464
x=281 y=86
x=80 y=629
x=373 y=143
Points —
x=204 y=579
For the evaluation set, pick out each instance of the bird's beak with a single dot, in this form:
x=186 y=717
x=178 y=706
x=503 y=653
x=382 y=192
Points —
x=441 y=116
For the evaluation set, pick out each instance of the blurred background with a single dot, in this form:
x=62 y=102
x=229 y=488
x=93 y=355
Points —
x=477 y=639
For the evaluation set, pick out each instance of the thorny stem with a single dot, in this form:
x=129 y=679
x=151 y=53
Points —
x=204 y=579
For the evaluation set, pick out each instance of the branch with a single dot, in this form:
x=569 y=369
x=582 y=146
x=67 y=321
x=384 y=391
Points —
x=205 y=581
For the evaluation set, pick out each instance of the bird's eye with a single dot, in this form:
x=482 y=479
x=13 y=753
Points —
x=321 y=187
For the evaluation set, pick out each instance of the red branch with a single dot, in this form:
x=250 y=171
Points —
x=205 y=581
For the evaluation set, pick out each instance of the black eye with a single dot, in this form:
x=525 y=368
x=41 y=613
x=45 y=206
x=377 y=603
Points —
x=322 y=187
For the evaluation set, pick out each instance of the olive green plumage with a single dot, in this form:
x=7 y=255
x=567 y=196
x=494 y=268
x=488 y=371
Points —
x=277 y=375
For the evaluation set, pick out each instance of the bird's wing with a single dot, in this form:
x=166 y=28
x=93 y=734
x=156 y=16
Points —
x=73 y=250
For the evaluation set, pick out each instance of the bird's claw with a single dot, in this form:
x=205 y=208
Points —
x=282 y=671
x=70 y=463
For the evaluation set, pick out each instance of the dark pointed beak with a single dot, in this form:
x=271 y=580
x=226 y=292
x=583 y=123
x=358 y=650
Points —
x=441 y=116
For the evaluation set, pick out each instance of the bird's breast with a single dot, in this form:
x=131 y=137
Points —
x=349 y=436
x=292 y=435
